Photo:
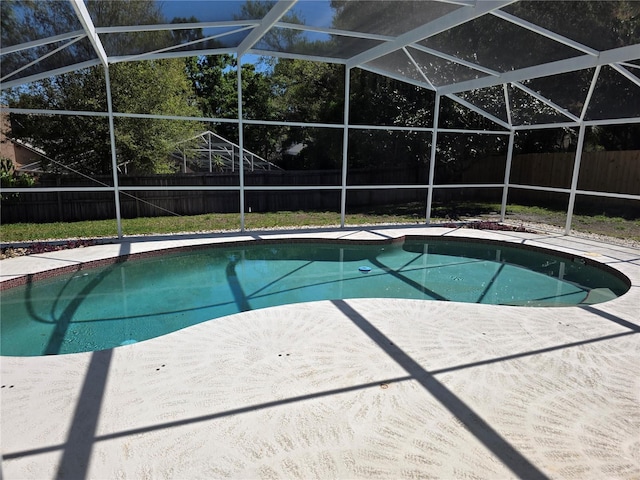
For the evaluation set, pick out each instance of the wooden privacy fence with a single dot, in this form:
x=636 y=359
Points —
x=617 y=172
x=75 y=206
x=612 y=172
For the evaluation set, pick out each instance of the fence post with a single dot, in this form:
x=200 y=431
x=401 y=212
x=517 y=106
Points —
x=59 y=197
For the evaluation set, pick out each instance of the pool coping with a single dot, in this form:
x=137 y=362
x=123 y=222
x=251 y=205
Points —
x=38 y=445
x=21 y=270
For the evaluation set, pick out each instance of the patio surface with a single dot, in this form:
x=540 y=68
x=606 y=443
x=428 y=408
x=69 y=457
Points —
x=366 y=388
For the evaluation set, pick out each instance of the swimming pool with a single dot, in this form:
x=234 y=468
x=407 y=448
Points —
x=132 y=301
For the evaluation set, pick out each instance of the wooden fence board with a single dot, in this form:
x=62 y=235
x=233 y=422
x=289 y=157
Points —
x=617 y=172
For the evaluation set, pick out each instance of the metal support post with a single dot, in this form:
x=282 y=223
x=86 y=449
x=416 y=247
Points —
x=507 y=176
x=114 y=158
x=240 y=143
x=574 y=178
x=345 y=148
x=432 y=161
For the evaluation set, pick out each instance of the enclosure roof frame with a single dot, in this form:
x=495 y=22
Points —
x=406 y=34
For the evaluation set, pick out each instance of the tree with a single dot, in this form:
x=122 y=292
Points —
x=305 y=91
x=495 y=43
x=156 y=87
x=214 y=79
x=22 y=21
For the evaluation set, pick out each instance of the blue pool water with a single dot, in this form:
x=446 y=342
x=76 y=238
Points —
x=136 y=300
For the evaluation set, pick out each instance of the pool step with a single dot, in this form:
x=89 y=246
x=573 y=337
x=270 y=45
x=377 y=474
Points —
x=599 y=295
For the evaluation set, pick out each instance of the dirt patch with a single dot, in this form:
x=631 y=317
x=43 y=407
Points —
x=43 y=247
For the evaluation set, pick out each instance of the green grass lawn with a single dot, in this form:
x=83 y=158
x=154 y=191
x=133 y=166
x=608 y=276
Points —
x=24 y=232
x=409 y=213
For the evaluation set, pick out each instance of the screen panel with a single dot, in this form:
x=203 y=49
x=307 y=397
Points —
x=379 y=100
x=295 y=149
x=391 y=206
x=601 y=25
x=388 y=157
x=499 y=45
x=470 y=158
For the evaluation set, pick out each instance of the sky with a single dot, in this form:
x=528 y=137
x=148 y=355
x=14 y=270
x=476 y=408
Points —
x=313 y=12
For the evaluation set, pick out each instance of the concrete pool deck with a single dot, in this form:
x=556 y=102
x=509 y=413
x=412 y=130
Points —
x=365 y=388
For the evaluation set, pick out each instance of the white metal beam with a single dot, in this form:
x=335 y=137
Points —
x=538 y=188
x=545 y=126
x=591 y=193
x=385 y=73
x=432 y=159
x=574 y=179
x=507 y=104
x=209 y=188
x=240 y=145
x=458 y=2
x=43 y=41
x=345 y=147
x=176 y=26
x=87 y=23
x=40 y=111
x=629 y=65
x=182 y=54
x=114 y=156
x=39 y=59
x=334 y=31
x=592 y=87
x=626 y=73
x=479 y=111
x=573 y=64
x=544 y=32
x=546 y=101
x=35 y=111
x=446 y=22
x=452 y=59
x=446 y=186
x=51 y=73
x=415 y=64
x=155 y=53
x=296 y=56
x=588 y=123
x=268 y=21
x=612 y=121
x=507 y=176
x=390 y=128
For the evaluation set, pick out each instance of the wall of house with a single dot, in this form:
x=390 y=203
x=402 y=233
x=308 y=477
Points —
x=18 y=154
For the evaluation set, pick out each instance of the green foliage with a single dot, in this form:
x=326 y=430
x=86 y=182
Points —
x=305 y=91
x=214 y=83
x=301 y=91
x=218 y=163
x=83 y=142
x=6 y=166
x=10 y=178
